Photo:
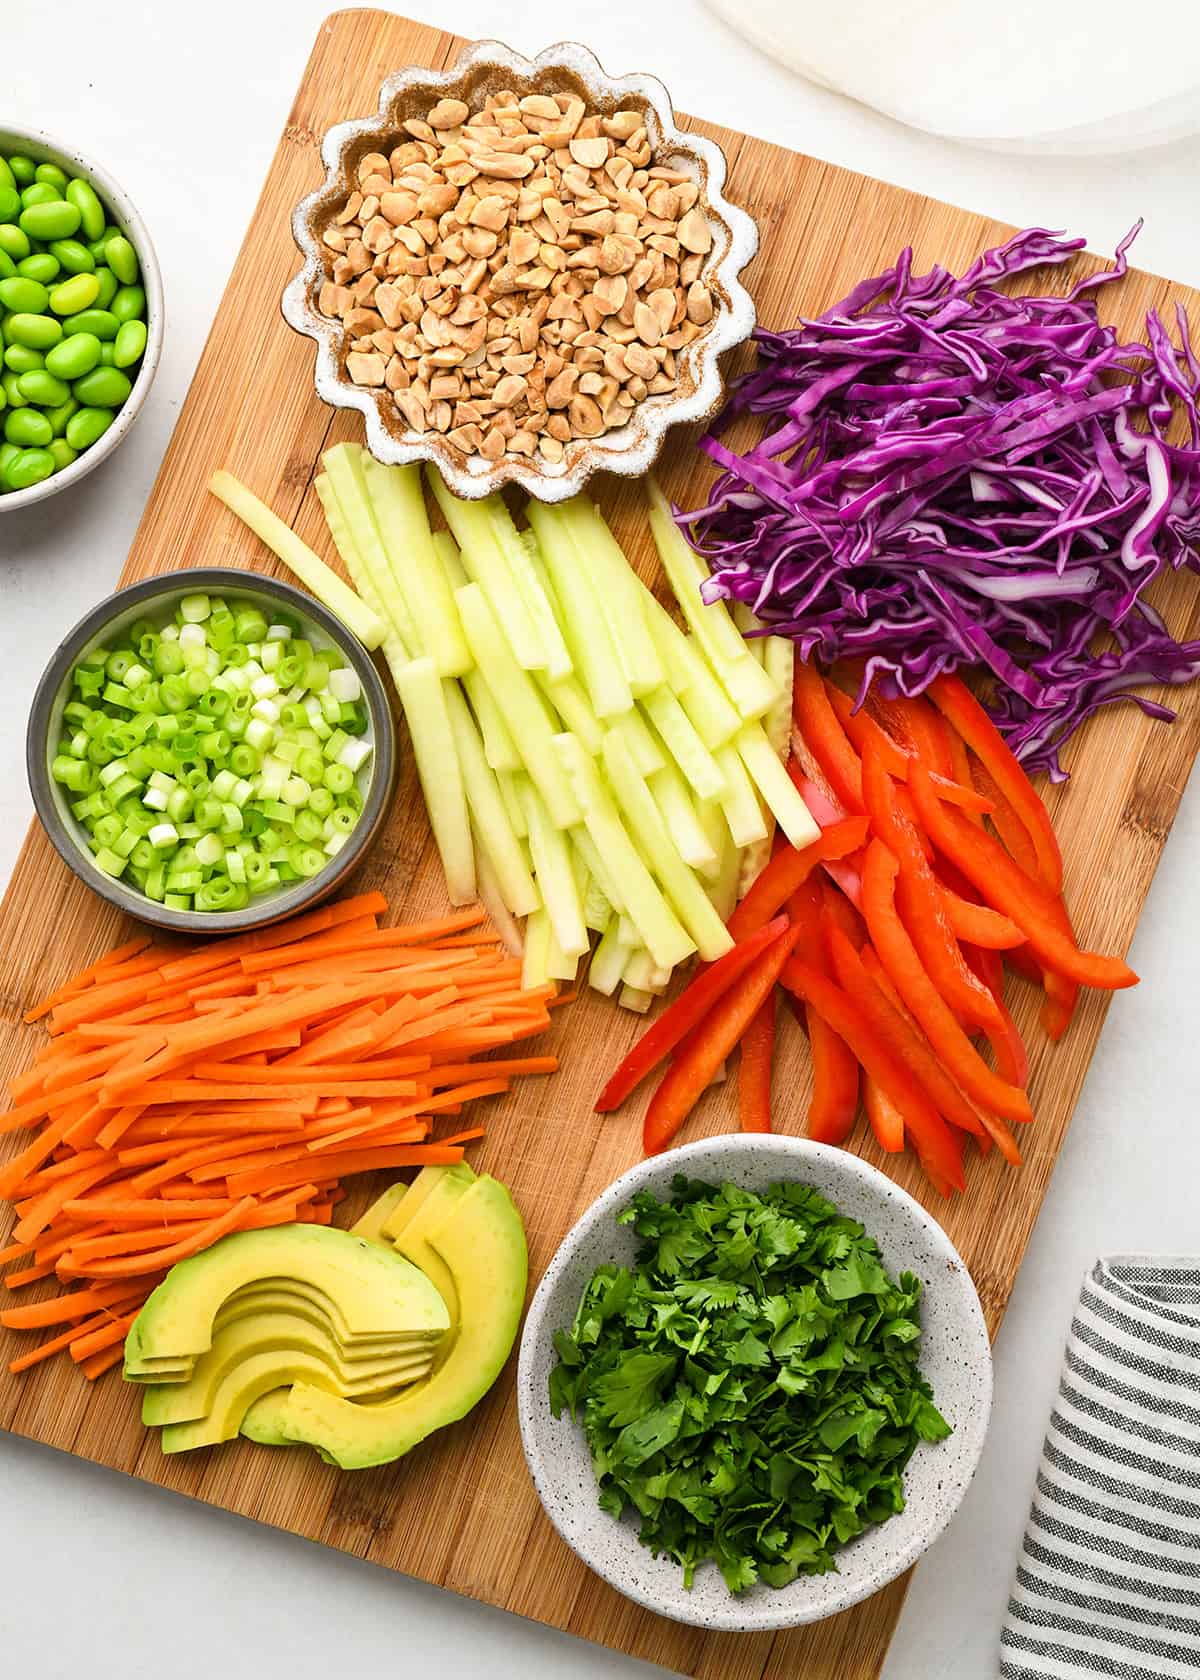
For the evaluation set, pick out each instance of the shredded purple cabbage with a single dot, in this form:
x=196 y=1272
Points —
x=956 y=476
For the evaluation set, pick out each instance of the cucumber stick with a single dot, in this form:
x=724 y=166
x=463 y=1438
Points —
x=398 y=503
x=488 y=566
x=498 y=744
x=507 y=782
x=776 y=786
x=608 y=960
x=683 y=890
x=520 y=704
x=344 y=471
x=535 y=962
x=662 y=933
x=446 y=549
x=493 y=900
x=599 y=871
x=683 y=825
x=555 y=875
x=423 y=694
x=679 y=736
x=700 y=694
x=519 y=549
x=740 y=674
x=312 y=571
x=638 y=1002
x=488 y=815
x=722 y=885
x=739 y=801
x=579 y=524
x=353 y=562
x=584 y=624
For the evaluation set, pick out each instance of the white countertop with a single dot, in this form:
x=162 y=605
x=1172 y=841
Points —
x=184 y=105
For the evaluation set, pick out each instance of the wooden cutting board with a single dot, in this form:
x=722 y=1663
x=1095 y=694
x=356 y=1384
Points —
x=461 y=1511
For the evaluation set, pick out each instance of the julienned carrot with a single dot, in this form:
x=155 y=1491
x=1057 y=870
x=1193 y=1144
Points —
x=86 y=975
x=184 y=1095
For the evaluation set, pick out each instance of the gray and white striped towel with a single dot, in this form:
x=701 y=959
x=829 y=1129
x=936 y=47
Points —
x=1109 y=1577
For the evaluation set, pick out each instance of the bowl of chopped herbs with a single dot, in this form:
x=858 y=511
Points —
x=754 y=1383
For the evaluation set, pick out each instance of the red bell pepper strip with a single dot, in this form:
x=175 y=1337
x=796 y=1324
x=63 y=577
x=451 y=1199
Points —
x=887 y=1122
x=932 y=1138
x=902 y=1036
x=688 y=1010
x=710 y=1042
x=834 y=1103
x=1035 y=908
x=824 y=736
x=788 y=868
x=861 y=728
x=959 y=706
x=754 y=1069
x=921 y=903
x=837 y=911
x=923 y=1000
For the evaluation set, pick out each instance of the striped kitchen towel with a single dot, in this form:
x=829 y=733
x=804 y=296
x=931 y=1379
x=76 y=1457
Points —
x=1109 y=1577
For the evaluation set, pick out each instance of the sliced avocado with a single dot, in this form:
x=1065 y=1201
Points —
x=241 y=1388
x=413 y=1242
x=371 y=1224
x=373 y=1289
x=276 y=1332
x=425 y=1183
x=263 y=1421
x=483 y=1244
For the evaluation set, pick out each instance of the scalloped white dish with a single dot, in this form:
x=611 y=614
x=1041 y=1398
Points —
x=629 y=450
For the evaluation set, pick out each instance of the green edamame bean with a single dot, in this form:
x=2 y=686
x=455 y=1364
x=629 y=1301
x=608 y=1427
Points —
x=82 y=195
x=72 y=255
x=52 y=173
x=30 y=467
x=46 y=221
x=99 y=322
x=6 y=174
x=8 y=454
x=41 y=192
x=38 y=386
x=3 y=399
x=36 y=332
x=13 y=241
x=21 y=168
x=41 y=266
x=58 y=417
x=121 y=257
x=104 y=387
x=96 y=247
x=22 y=360
x=88 y=425
x=10 y=204
x=108 y=355
x=73 y=357
x=28 y=428
x=7 y=266
x=63 y=454
x=24 y=296
x=129 y=344
x=12 y=391
x=70 y=296
x=108 y=287
x=129 y=304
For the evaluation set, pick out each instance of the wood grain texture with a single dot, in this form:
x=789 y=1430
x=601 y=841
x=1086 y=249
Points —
x=461 y=1511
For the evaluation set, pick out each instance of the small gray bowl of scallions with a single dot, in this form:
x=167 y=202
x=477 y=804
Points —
x=81 y=316
x=211 y=751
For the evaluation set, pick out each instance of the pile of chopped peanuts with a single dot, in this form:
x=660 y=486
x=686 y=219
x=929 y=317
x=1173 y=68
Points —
x=520 y=277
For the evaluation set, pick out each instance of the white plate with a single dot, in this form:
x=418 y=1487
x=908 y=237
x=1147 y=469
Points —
x=955 y=1358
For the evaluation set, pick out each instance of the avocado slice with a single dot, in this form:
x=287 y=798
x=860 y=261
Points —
x=425 y=1183
x=372 y=1290
x=276 y=1332
x=242 y=1386
x=371 y=1224
x=412 y=1241
x=482 y=1242
x=263 y=1421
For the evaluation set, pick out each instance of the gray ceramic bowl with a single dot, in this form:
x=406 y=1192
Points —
x=147 y=599
x=45 y=149
x=955 y=1357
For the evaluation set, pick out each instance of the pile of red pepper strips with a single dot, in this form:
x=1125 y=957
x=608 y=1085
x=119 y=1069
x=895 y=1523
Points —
x=936 y=862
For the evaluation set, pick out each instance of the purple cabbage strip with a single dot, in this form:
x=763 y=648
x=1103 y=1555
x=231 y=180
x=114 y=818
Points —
x=953 y=475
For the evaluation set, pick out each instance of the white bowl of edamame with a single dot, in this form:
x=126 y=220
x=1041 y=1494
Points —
x=81 y=316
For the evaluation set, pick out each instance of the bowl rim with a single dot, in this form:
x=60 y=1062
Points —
x=732 y=323
x=263 y=912
x=766 y=1616
x=127 y=215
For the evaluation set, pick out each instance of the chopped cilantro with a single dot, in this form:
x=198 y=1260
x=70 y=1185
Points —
x=751 y=1387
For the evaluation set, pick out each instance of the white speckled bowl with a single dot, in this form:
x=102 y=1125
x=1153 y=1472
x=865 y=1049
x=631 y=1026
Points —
x=568 y=67
x=955 y=1358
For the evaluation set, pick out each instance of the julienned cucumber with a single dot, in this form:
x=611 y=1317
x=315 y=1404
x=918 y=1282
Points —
x=588 y=766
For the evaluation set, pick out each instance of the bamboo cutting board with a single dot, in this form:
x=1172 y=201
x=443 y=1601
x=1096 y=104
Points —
x=461 y=1511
